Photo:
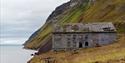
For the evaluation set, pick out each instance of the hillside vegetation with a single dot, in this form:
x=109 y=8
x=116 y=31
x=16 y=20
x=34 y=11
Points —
x=86 y=11
x=96 y=11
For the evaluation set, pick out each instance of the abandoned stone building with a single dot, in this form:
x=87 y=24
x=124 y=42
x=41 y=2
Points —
x=74 y=36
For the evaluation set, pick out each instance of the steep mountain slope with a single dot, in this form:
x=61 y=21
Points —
x=80 y=11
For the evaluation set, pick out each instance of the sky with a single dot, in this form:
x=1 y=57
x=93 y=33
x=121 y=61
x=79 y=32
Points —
x=21 y=18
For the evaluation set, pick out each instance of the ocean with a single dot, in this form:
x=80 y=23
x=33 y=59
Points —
x=14 y=54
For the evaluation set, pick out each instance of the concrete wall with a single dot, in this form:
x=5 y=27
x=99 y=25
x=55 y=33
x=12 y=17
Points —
x=75 y=41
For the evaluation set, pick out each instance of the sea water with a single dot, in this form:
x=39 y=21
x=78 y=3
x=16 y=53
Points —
x=14 y=54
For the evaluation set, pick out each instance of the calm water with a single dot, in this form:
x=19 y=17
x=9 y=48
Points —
x=14 y=54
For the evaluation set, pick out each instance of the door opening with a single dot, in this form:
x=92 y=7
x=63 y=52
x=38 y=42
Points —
x=86 y=44
x=80 y=45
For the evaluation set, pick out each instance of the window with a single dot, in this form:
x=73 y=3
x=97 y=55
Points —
x=107 y=29
x=59 y=35
x=86 y=37
x=57 y=39
x=74 y=37
x=68 y=39
x=75 y=27
x=68 y=35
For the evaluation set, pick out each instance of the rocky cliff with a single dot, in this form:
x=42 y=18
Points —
x=82 y=11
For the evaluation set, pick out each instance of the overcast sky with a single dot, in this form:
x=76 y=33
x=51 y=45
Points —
x=20 y=18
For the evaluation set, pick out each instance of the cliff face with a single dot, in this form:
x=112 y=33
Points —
x=82 y=11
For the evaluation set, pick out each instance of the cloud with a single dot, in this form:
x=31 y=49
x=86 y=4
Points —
x=20 y=18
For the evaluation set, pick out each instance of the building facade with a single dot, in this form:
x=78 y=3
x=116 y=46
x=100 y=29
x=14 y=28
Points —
x=75 y=36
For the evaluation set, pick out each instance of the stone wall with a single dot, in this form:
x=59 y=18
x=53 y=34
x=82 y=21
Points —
x=84 y=40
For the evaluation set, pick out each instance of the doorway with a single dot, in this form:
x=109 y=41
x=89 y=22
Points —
x=86 y=44
x=80 y=45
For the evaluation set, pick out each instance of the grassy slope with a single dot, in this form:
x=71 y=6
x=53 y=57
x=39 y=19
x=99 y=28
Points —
x=107 y=11
x=114 y=53
x=71 y=15
x=100 y=11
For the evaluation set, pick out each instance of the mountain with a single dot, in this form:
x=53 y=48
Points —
x=82 y=11
x=79 y=11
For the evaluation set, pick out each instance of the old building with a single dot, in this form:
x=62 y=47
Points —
x=74 y=36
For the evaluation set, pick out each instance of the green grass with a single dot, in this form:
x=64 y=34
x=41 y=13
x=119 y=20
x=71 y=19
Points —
x=74 y=15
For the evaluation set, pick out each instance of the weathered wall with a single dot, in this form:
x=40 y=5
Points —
x=60 y=41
